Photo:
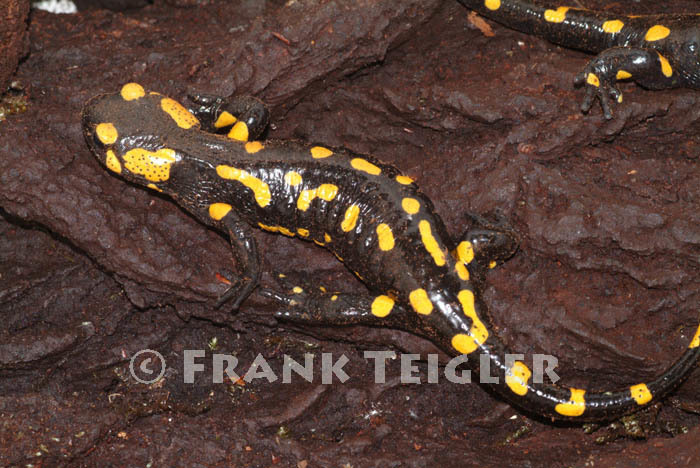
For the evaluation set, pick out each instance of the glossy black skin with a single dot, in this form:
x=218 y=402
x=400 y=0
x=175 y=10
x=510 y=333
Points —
x=194 y=184
x=625 y=50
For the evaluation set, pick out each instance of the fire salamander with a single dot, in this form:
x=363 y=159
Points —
x=660 y=51
x=372 y=217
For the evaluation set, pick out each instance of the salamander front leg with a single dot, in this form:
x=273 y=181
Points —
x=244 y=118
x=304 y=302
x=245 y=254
x=645 y=66
x=485 y=244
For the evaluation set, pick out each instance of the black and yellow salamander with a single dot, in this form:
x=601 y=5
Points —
x=373 y=218
x=657 y=52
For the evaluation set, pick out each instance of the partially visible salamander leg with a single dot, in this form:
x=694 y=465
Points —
x=485 y=244
x=245 y=254
x=244 y=118
x=645 y=66
x=304 y=302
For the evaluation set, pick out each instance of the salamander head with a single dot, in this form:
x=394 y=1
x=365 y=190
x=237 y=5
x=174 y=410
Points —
x=128 y=132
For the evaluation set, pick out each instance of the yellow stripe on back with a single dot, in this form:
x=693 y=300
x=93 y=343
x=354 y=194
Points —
x=182 y=117
x=478 y=333
x=430 y=244
x=260 y=189
x=365 y=166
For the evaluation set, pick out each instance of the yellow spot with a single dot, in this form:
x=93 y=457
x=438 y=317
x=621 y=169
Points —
x=218 y=210
x=152 y=165
x=182 y=117
x=592 y=80
x=462 y=271
x=325 y=192
x=131 y=91
x=492 y=4
x=260 y=189
x=623 y=75
x=420 y=302
x=478 y=333
x=517 y=378
x=319 y=152
x=297 y=290
x=253 y=147
x=613 y=26
x=619 y=99
x=430 y=243
x=641 y=394
x=112 y=162
x=656 y=33
x=696 y=339
x=385 y=237
x=154 y=187
x=239 y=132
x=403 y=180
x=285 y=231
x=106 y=133
x=465 y=252
x=463 y=343
x=292 y=178
x=556 y=16
x=322 y=288
x=281 y=275
x=575 y=406
x=326 y=237
x=350 y=219
x=280 y=229
x=665 y=66
x=382 y=305
x=492 y=264
x=225 y=119
x=365 y=166
x=303 y=232
x=410 y=205
x=334 y=297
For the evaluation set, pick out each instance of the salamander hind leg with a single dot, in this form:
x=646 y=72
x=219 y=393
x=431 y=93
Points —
x=245 y=253
x=243 y=118
x=303 y=301
x=647 y=67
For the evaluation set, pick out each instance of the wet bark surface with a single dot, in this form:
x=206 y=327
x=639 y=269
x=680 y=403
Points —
x=93 y=270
